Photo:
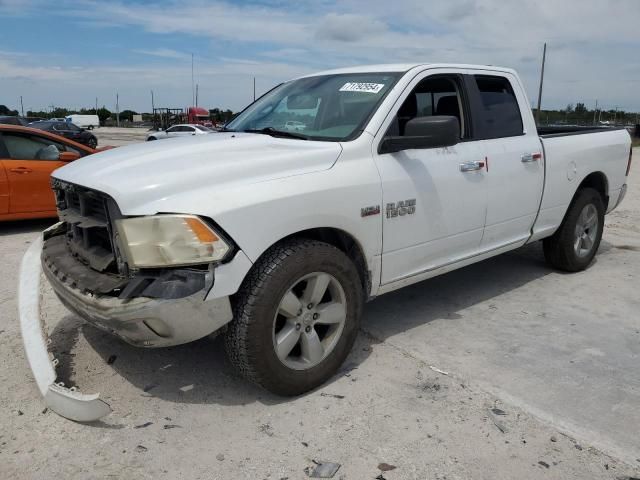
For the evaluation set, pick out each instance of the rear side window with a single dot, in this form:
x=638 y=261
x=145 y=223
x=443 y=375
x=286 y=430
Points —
x=500 y=114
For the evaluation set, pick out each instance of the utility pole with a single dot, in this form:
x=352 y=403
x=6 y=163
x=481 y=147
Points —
x=193 y=92
x=595 y=112
x=544 y=57
x=21 y=106
x=96 y=110
x=196 y=94
x=117 y=110
x=153 y=107
x=254 y=89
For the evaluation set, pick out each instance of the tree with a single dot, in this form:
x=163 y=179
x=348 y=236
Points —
x=103 y=115
x=580 y=108
x=127 y=115
x=4 y=110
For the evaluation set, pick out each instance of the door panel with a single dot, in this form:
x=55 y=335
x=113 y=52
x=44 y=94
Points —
x=29 y=185
x=4 y=188
x=450 y=208
x=514 y=157
x=29 y=161
x=515 y=187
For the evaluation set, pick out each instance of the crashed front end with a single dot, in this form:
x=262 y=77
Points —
x=143 y=279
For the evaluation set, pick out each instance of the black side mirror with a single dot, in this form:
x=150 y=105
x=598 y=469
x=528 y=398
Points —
x=424 y=132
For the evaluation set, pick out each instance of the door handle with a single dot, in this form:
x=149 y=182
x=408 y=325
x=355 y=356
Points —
x=531 y=157
x=471 y=166
x=20 y=170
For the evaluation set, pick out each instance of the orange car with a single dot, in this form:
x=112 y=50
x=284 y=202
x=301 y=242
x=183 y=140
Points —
x=27 y=158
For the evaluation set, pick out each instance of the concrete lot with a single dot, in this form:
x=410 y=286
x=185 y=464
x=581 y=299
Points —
x=558 y=354
x=116 y=137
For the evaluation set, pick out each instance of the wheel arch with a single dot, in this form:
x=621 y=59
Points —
x=343 y=241
x=598 y=181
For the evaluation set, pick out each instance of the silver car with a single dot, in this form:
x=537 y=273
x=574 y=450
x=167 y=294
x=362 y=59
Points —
x=179 y=131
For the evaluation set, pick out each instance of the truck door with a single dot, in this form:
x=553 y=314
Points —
x=514 y=158
x=435 y=199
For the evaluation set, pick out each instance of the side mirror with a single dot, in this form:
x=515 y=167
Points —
x=68 y=156
x=424 y=132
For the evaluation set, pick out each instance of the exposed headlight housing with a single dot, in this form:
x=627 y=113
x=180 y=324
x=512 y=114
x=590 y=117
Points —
x=169 y=240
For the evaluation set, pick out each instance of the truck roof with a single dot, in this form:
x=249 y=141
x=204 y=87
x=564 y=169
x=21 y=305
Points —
x=405 y=67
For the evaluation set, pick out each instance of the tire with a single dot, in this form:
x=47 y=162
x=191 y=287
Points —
x=90 y=127
x=151 y=138
x=573 y=247
x=259 y=320
x=92 y=142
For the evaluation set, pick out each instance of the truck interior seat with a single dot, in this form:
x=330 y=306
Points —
x=449 y=106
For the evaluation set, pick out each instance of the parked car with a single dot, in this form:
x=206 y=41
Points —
x=185 y=130
x=68 y=130
x=277 y=238
x=83 y=121
x=27 y=158
x=13 y=120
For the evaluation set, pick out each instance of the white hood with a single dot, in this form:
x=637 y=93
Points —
x=145 y=173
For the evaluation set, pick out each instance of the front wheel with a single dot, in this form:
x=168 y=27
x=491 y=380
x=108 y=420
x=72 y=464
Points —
x=92 y=142
x=576 y=242
x=296 y=317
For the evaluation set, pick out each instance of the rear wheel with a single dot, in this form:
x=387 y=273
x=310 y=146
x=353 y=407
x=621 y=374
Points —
x=576 y=242
x=151 y=138
x=296 y=317
x=92 y=142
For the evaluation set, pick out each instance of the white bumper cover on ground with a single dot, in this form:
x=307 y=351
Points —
x=66 y=402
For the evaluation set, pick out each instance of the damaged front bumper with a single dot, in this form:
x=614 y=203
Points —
x=67 y=402
x=141 y=321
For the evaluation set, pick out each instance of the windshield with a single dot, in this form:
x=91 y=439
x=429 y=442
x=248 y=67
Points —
x=325 y=107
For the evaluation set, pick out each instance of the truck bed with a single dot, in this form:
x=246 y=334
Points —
x=561 y=131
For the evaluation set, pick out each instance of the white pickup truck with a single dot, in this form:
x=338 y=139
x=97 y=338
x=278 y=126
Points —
x=276 y=237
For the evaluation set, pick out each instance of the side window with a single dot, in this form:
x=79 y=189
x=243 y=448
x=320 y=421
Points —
x=189 y=129
x=172 y=129
x=29 y=147
x=439 y=95
x=500 y=113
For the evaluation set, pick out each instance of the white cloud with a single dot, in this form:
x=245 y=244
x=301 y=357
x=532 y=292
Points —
x=592 y=52
x=164 y=53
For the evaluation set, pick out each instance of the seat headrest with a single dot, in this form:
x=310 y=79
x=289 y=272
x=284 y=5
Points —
x=409 y=108
x=448 y=106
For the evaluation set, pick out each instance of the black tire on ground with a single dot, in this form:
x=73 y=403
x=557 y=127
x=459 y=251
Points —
x=90 y=127
x=151 y=138
x=249 y=339
x=92 y=142
x=559 y=249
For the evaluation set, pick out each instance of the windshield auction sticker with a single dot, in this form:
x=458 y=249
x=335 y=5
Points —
x=362 y=87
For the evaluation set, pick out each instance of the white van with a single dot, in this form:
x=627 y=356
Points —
x=84 y=121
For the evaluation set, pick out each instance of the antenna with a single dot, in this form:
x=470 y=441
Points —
x=544 y=57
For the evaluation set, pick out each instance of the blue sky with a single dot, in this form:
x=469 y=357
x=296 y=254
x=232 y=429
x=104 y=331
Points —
x=83 y=49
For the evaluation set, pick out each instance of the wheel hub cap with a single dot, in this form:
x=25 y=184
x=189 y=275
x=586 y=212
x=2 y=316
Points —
x=309 y=321
x=586 y=231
